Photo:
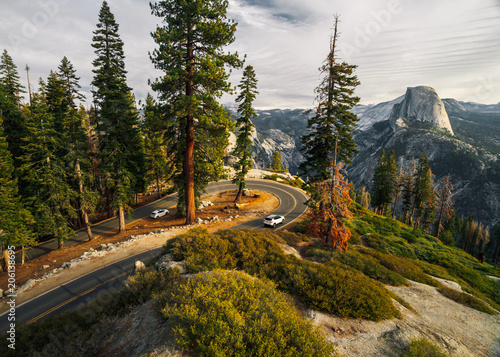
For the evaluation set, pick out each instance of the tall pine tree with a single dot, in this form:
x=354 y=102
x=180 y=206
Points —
x=444 y=203
x=384 y=182
x=157 y=145
x=407 y=185
x=10 y=106
x=70 y=82
x=248 y=93
x=331 y=129
x=121 y=144
x=15 y=220
x=43 y=174
x=423 y=192
x=71 y=124
x=191 y=54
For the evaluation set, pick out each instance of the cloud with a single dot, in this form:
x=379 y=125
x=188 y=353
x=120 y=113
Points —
x=450 y=45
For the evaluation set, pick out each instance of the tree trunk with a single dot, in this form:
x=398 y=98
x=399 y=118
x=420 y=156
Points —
x=6 y=259
x=240 y=191
x=60 y=243
x=158 y=194
x=189 y=160
x=87 y=225
x=110 y=209
x=328 y=238
x=23 y=255
x=396 y=199
x=82 y=210
x=121 y=218
x=440 y=218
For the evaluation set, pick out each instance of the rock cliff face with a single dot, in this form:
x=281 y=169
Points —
x=473 y=170
x=471 y=157
x=421 y=107
x=278 y=130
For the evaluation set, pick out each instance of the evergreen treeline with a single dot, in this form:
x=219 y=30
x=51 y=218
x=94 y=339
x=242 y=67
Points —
x=61 y=164
x=411 y=195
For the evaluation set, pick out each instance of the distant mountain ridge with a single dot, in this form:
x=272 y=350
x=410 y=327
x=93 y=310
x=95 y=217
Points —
x=460 y=139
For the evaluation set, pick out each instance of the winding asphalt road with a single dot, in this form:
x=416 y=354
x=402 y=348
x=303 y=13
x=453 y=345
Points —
x=76 y=293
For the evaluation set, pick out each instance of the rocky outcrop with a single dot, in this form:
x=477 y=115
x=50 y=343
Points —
x=471 y=158
x=276 y=130
x=421 y=107
x=265 y=144
x=473 y=171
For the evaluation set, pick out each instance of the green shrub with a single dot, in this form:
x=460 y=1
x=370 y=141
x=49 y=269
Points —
x=300 y=227
x=466 y=299
x=202 y=251
x=403 y=266
x=355 y=238
x=360 y=226
x=417 y=232
x=483 y=287
x=145 y=284
x=356 y=261
x=410 y=237
x=70 y=333
x=226 y=250
x=273 y=177
x=422 y=348
x=341 y=291
x=371 y=267
x=224 y=313
x=293 y=238
x=334 y=290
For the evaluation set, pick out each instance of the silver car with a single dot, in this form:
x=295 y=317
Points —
x=158 y=213
x=273 y=220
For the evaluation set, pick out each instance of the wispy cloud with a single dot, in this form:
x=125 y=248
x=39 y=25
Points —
x=450 y=45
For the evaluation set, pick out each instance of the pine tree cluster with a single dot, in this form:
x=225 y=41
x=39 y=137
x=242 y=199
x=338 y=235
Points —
x=63 y=164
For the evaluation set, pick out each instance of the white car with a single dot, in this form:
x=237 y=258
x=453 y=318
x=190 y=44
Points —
x=273 y=220
x=158 y=213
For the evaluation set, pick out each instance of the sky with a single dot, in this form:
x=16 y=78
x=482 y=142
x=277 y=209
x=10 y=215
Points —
x=450 y=45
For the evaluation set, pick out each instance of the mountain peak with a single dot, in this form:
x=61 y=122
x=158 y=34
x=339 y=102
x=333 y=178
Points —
x=421 y=106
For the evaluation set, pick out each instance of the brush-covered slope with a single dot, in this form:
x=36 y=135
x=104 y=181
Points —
x=244 y=293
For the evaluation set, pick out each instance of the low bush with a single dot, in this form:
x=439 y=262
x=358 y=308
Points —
x=422 y=348
x=222 y=313
x=466 y=299
x=403 y=266
x=293 y=238
x=273 y=177
x=355 y=239
x=300 y=227
x=145 y=284
x=358 y=262
x=371 y=267
x=332 y=289
x=341 y=291
x=483 y=287
x=390 y=244
x=226 y=250
x=410 y=237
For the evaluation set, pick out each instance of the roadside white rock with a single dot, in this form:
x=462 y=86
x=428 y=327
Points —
x=166 y=262
x=139 y=266
x=26 y=286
